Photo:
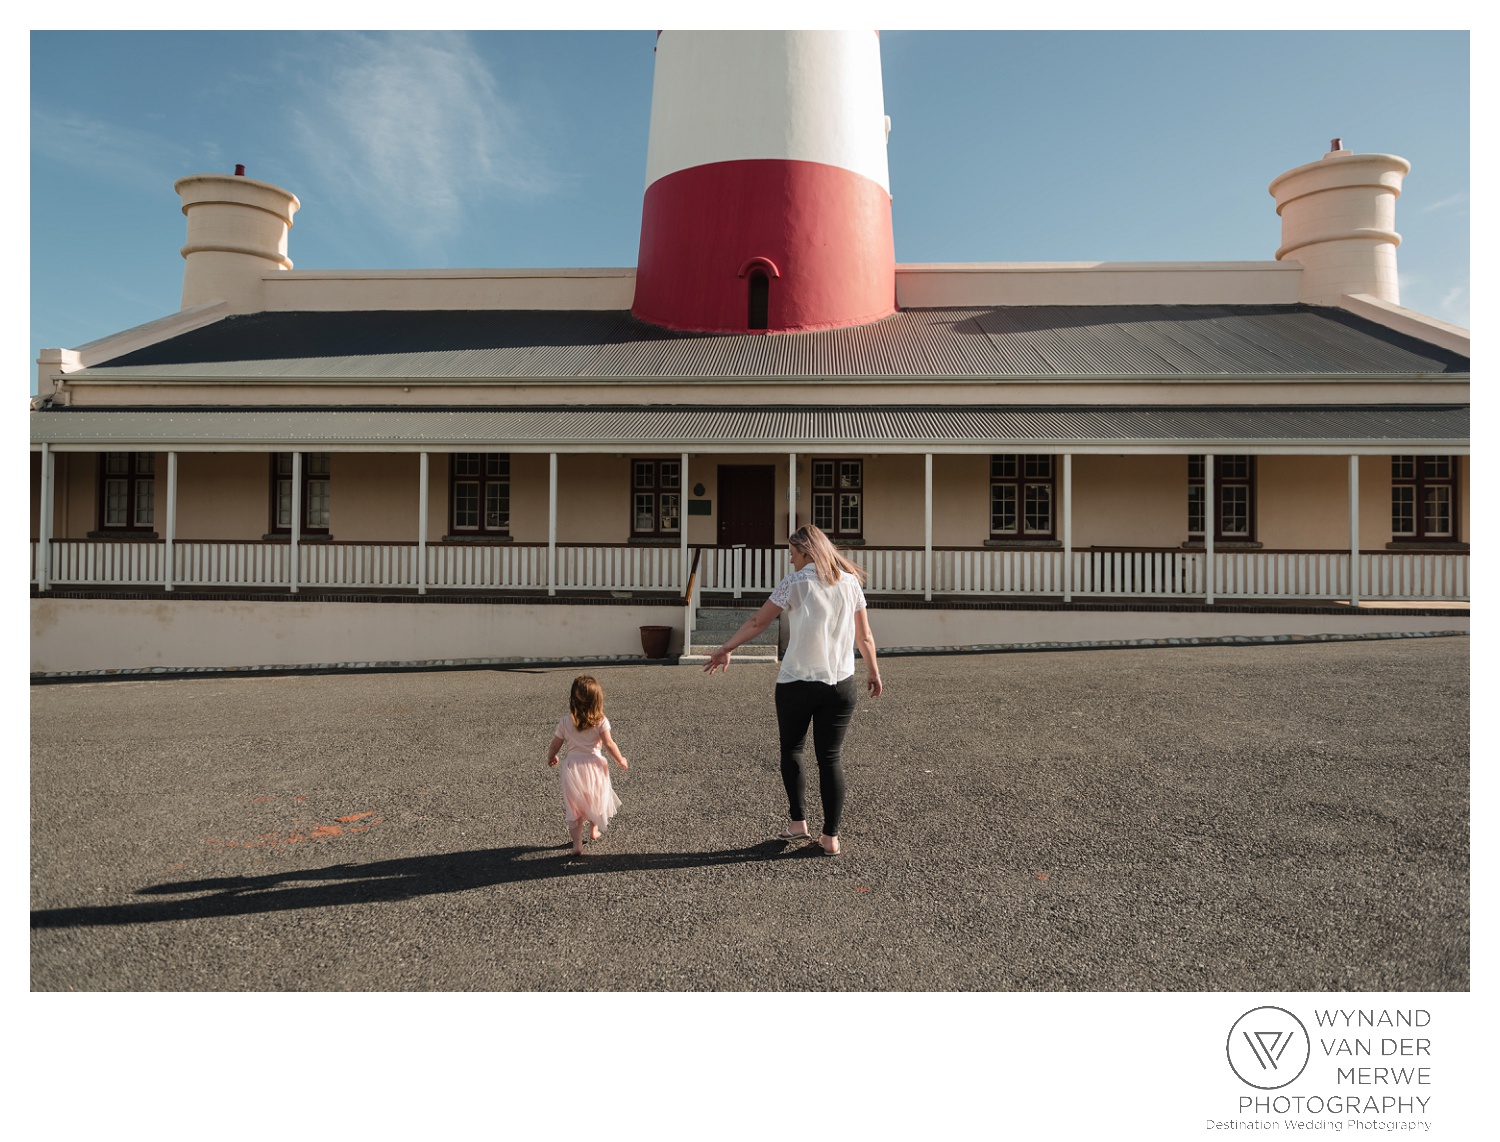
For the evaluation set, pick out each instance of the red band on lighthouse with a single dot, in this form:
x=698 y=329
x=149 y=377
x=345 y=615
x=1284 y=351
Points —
x=767 y=149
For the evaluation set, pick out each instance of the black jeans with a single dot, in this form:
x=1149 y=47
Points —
x=829 y=709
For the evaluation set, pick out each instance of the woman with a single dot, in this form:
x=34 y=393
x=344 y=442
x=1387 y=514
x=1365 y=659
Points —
x=825 y=607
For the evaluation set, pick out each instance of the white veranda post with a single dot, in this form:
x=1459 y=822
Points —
x=169 y=535
x=1353 y=530
x=1210 y=519
x=1067 y=522
x=682 y=524
x=295 y=551
x=552 y=523
x=927 y=533
x=422 y=478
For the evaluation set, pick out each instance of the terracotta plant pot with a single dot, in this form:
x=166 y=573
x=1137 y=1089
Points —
x=654 y=641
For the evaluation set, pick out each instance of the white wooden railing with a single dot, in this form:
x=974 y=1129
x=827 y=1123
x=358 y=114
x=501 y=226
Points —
x=752 y=571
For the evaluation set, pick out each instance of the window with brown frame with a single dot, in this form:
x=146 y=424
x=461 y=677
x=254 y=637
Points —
x=127 y=491
x=1023 y=490
x=1234 y=478
x=1424 y=498
x=479 y=493
x=317 y=472
x=655 y=499
x=838 y=498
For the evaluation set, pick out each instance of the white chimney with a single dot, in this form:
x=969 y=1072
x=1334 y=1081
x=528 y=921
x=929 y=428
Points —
x=1338 y=218
x=236 y=234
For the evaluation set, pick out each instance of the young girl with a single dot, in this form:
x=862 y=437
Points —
x=589 y=799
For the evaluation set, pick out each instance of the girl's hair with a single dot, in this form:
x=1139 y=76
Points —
x=814 y=543
x=586 y=702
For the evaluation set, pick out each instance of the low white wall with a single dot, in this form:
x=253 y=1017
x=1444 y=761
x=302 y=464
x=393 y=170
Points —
x=106 y=634
x=69 y=635
x=1001 y=628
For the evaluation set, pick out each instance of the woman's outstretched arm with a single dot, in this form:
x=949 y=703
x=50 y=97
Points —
x=751 y=627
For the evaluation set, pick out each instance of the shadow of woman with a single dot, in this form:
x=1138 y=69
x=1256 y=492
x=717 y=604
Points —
x=381 y=881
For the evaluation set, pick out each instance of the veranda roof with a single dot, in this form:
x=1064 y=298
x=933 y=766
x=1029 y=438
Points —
x=941 y=428
x=985 y=343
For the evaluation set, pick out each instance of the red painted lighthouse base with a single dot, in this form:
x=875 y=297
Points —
x=822 y=235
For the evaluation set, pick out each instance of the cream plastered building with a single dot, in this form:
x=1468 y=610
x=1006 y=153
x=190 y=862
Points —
x=307 y=468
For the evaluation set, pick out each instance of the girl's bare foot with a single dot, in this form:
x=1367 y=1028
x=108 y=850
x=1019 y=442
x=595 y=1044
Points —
x=596 y=834
x=576 y=832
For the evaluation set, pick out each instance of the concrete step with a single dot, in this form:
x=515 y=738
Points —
x=714 y=624
x=742 y=656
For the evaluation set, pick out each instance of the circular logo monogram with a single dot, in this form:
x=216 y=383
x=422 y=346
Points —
x=1268 y=1047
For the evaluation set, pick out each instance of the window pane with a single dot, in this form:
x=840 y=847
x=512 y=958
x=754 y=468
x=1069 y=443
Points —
x=1234 y=509
x=849 y=474
x=1038 y=508
x=1003 y=509
x=315 y=464
x=283 y=463
x=1404 y=511
x=284 y=502
x=645 y=511
x=1002 y=467
x=669 y=510
x=466 y=463
x=671 y=473
x=1403 y=467
x=1039 y=467
x=1195 y=510
x=117 y=463
x=317 y=504
x=645 y=474
x=116 y=502
x=1234 y=467
x=823 y=511
x=145 y=503
x=1437 y=467
x=1438 y=514
x=822 y=475
x=466 y=505
x=849 y=513
x=145 y=463
x=1195 y=468
x=497 y=507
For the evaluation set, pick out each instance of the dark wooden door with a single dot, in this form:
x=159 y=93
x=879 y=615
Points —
x=747 y=505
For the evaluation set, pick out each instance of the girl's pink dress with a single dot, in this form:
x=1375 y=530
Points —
x=588 y=794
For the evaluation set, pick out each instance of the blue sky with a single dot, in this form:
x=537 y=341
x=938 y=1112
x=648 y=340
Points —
x=438 y=149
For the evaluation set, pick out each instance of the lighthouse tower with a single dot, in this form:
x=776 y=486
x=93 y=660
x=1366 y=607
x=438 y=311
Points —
x=768 y=203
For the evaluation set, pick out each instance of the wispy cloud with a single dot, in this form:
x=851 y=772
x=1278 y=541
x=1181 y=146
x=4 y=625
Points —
x=1446 y=203
x=107 y=150
x=415 y=127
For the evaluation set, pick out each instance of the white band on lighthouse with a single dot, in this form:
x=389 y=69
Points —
x=810 y=96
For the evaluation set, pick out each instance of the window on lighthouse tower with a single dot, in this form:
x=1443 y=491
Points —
x=760 y=299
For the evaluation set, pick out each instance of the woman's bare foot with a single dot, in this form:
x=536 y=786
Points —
x=797 y=830
x=829 y=845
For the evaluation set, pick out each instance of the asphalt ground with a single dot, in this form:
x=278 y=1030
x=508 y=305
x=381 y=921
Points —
x=1247 y=818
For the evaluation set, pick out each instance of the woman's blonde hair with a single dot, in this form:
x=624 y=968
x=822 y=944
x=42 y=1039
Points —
x=586 y=702
x=813 y=542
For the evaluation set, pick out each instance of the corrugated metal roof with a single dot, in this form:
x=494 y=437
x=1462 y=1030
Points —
x=996 y=343
x=674 y=427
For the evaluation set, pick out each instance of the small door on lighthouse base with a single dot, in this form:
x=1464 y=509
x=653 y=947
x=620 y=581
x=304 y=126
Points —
x=747 y=505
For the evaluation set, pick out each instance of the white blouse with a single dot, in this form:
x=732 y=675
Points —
x=820 y=620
